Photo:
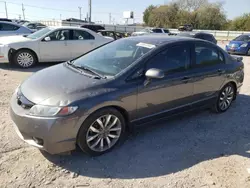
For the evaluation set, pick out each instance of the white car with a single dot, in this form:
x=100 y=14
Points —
x=10 y=28
x=150 y=30
x=51 y=44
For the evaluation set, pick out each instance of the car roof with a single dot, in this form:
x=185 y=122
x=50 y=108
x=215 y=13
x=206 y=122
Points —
x=66 y=27
x=160 y=39
x=12 y=23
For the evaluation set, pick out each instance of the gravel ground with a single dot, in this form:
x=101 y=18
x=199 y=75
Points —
x=196 y=150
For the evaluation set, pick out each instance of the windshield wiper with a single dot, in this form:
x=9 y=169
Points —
x=71 y=63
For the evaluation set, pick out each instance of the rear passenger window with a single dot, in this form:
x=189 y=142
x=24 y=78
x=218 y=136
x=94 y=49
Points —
x=8 y=27
x=174 y=59
x=207 y=56
x=82 y=35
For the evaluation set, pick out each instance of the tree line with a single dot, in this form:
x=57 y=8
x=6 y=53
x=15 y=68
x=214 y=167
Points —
x=200 y=13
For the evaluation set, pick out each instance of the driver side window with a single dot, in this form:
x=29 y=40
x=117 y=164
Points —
x=59 y=35
x=172 y=60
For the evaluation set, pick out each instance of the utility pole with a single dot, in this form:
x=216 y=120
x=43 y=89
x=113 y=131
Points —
x=80 y=12
x=60 y=16
x=23 y=11
x=6 y=12
x=110 y=17
x=90 y=13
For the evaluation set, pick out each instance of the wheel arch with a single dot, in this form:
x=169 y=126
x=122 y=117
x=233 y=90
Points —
x=120 y=109
x=234 y=85
x=13 y=51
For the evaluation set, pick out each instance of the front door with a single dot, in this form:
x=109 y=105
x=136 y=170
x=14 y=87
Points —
x=171 y=92
x=81 y=42
x=54 y=47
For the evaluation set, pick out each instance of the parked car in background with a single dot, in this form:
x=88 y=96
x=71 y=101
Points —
x=200 y=35
x=93 y=100
x=151 y=30
x=51 y=44
x=239 y=45
x=93 y=27
x=186 y=27
x=10 y=28
x=111 y=34
x=34 y=26
x=5 y=20
x=21 y=22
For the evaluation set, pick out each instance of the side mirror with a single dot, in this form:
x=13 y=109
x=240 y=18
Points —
x=47 y=39
x=155 y=73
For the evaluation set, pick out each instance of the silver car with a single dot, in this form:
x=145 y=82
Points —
x=10 y=28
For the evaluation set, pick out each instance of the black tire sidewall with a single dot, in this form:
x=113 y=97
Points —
x=81 y=137
x=217 y=105
x=21 y=51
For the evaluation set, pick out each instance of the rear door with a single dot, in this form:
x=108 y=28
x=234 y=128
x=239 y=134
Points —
x=208 y=70
x=81 y=42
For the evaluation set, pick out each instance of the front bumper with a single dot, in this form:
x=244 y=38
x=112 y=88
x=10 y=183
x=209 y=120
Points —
x=237 y=50
x=4 y=50
x=56 y=134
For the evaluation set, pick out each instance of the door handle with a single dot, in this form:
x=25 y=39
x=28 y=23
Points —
x=185 y=79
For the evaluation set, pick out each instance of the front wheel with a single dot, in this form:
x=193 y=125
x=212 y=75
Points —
x=225 y=98
x=25 y=59
x=101 y=132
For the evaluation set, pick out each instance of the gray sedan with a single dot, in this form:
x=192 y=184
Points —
x=93 y=100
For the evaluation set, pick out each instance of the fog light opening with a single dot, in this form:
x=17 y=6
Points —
x=38 y=141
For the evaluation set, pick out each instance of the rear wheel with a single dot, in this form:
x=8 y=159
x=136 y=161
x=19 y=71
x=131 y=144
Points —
x=225 y=98
x=248 y=52
x=25 y=59
x=101 y=132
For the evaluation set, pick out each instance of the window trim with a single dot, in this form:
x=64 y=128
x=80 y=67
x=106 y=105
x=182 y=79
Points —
x=187 y=66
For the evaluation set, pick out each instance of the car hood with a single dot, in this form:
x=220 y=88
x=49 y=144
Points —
x=59 y=85
x=13 y=39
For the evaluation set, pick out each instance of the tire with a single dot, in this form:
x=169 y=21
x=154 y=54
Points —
x=248 y=52
x=25 y=59
x=225 y=99
x=94 y=143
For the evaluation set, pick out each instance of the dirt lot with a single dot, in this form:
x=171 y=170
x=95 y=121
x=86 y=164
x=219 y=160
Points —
x=196 y=150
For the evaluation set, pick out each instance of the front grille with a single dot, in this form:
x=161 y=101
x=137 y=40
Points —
x=23 y=101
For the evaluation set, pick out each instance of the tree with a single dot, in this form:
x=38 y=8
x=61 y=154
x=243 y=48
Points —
x=191 y=5
x=147 y=13
x=164 y=16
x=211 y=17
x=241 y=23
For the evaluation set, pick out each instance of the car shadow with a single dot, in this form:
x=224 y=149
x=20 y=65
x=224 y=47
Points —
x=38 y=67
x=170 y=146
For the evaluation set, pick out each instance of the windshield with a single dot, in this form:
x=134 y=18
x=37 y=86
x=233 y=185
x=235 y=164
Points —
x=244 y=38
x=39 y=33
x=114 y=57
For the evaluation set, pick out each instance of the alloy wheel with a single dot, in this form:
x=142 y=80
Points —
x=226 y=98
x=104 y=133
x=25 y=59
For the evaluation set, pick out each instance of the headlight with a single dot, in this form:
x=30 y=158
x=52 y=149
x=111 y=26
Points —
x=244 y=45
x=49 y=111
